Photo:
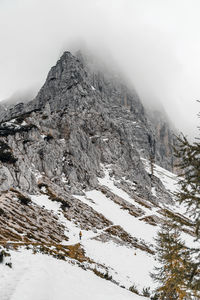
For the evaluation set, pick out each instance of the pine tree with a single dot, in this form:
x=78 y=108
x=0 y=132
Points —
x=194 y=278
x=189 y=194
x=174 y=260
x=189 y=181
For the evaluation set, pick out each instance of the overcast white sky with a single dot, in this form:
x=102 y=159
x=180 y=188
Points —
x=156 y=42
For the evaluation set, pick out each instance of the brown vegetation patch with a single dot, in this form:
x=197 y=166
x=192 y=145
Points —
x=27 y=222
x=177 y=217
x=152 y=220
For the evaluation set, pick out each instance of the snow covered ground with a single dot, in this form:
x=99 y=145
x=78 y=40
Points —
x=168 y=179
x=44 y=278
x=114 y=213
x=126 y=265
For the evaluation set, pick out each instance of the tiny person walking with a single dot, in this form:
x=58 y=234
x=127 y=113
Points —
x=80 y=235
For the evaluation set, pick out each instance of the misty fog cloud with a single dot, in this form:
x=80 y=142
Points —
x=155 y=42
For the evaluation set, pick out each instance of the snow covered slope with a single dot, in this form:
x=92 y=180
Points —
x=120 y=249
x=45 y=278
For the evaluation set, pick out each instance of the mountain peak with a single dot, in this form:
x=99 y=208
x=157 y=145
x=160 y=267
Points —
x=77 y=158
x=75 y=84
x=64 y=80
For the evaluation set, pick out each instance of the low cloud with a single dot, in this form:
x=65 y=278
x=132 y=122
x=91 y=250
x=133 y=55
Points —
x=156 y=43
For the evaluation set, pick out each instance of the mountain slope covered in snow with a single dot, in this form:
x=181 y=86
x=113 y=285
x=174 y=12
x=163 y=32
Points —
x=76 y=158
x=124 y=250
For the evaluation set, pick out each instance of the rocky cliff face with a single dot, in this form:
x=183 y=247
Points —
x=79 y=120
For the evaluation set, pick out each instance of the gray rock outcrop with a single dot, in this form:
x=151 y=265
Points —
x=80 y=121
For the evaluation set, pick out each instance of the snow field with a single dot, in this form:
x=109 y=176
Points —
x=126 y=265
x=108 y=182
x=118 y=216
x=168 y=179
x=44 y=278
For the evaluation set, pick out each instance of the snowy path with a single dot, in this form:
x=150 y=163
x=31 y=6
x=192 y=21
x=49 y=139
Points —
x=45 y=278
x=114 y=213
x=71 y=230
x=123 y=270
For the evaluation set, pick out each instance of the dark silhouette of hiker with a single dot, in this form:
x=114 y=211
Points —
x=80 y=235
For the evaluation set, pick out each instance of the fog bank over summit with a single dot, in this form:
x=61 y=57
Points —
x=156 y=44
